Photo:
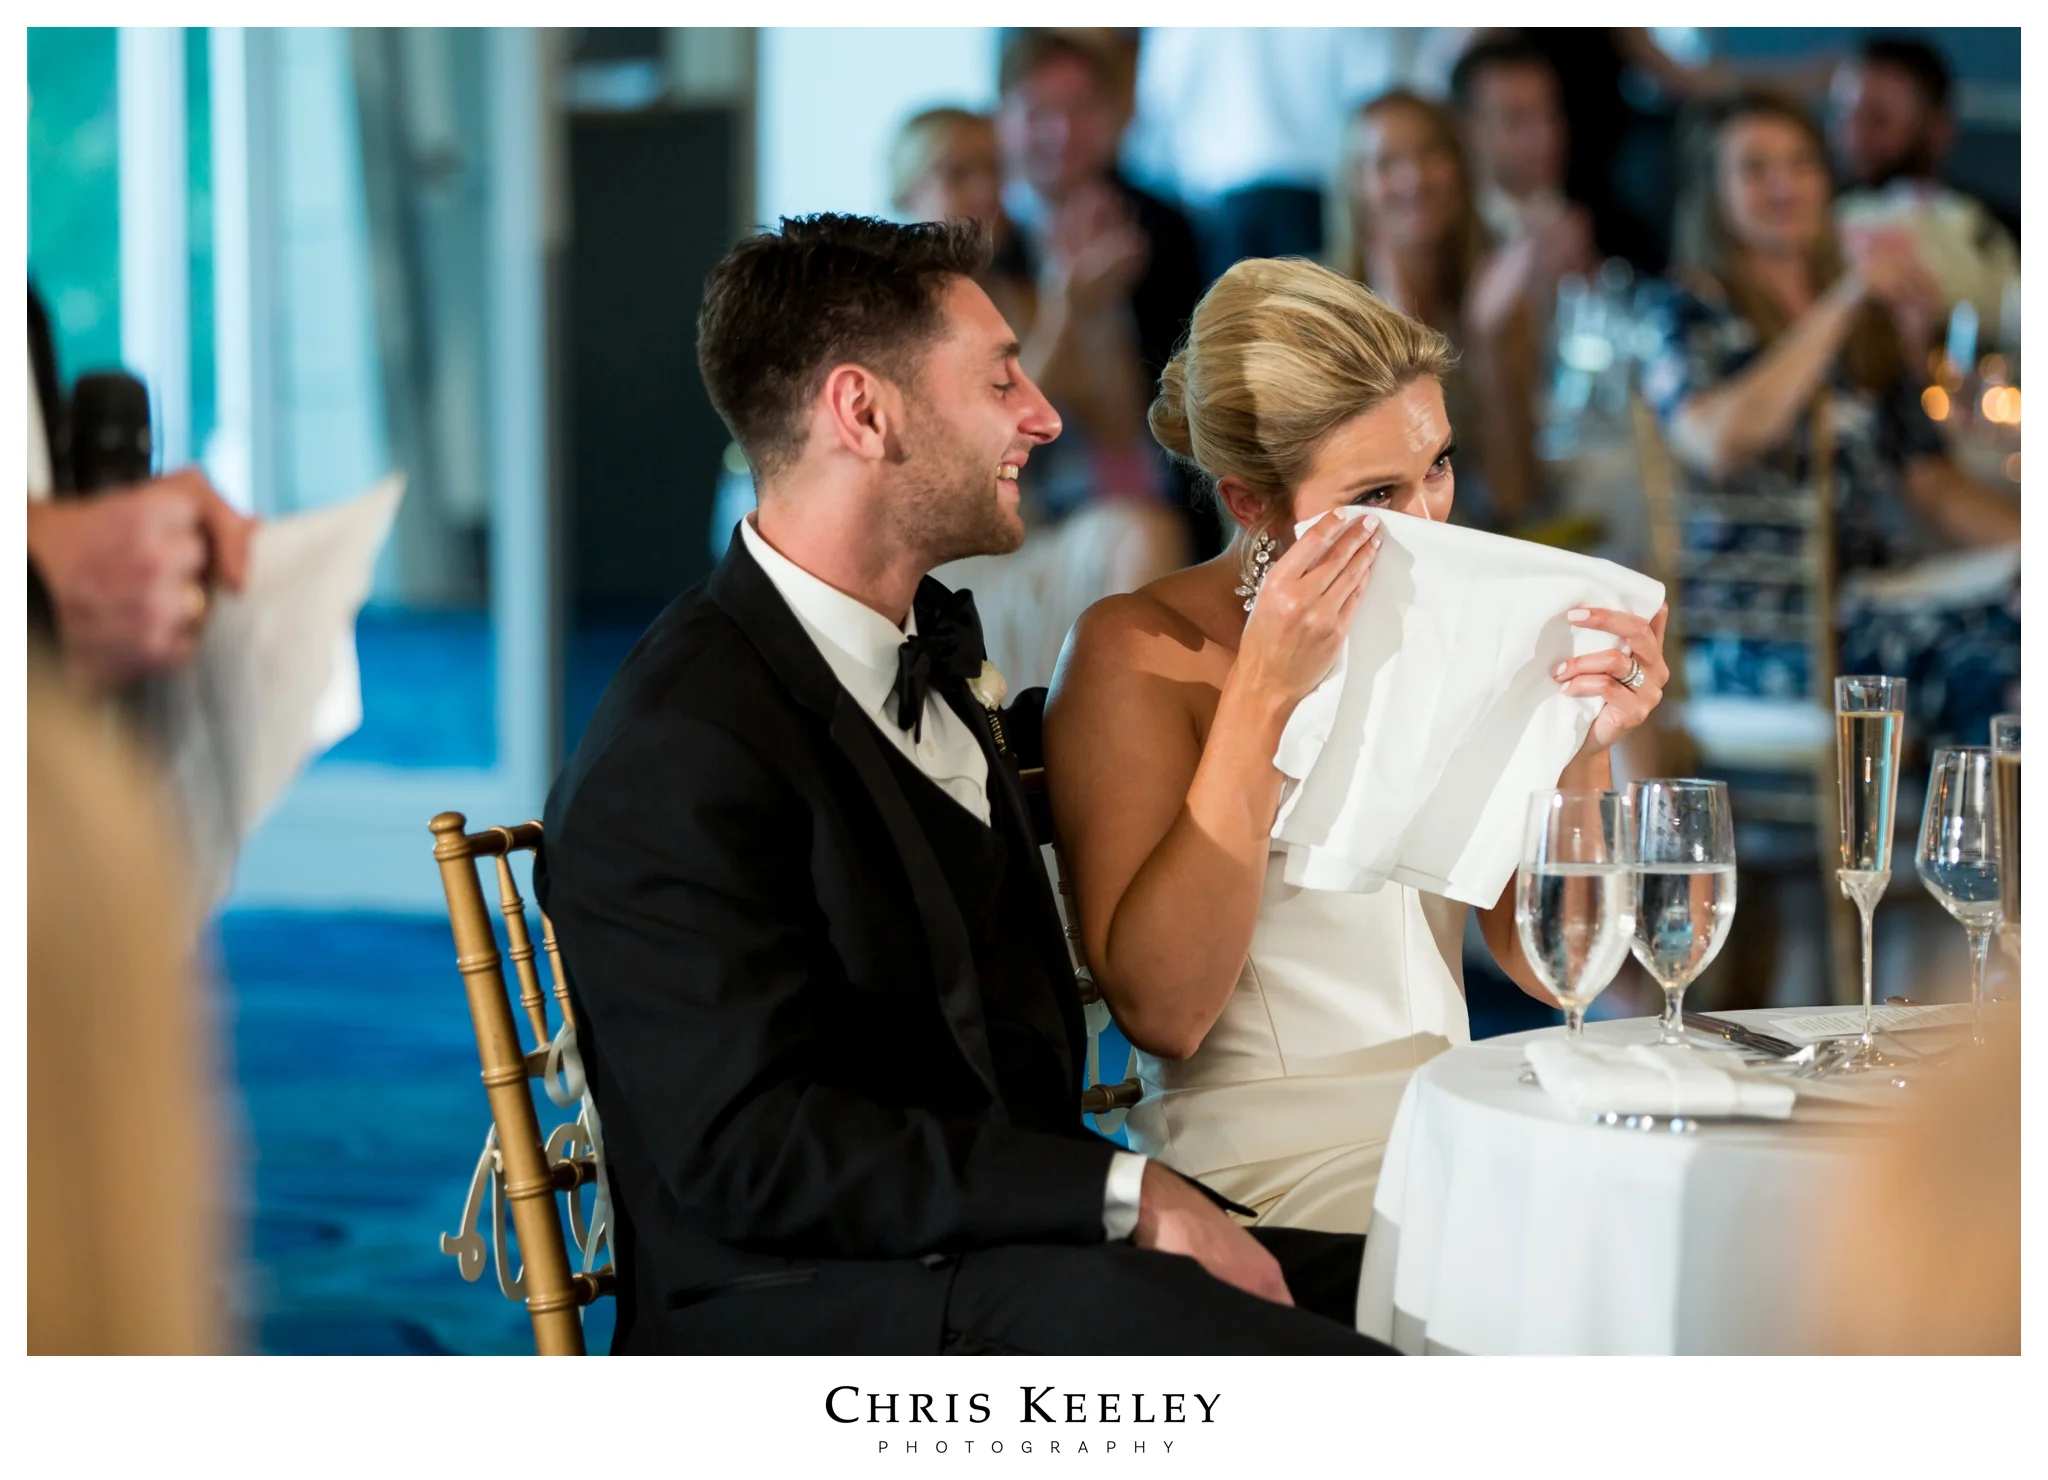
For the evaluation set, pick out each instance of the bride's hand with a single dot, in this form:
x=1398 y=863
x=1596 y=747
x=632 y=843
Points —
x=1602 y=673
x=1305 y=606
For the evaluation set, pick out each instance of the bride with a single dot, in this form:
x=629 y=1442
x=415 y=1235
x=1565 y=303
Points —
x=1274 y=1027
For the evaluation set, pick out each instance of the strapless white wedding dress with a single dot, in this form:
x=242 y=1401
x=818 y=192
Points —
x=1287 y=1105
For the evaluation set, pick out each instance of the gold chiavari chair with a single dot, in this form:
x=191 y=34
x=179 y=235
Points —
x=519 y=1171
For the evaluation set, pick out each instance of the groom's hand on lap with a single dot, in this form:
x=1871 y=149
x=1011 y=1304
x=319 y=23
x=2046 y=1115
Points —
x=1174 y=1217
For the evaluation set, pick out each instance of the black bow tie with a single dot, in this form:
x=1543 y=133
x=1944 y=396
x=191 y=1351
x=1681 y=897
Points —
x=946 y=651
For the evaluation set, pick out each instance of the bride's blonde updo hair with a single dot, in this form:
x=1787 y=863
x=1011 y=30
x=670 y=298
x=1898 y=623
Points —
x=1279 y=354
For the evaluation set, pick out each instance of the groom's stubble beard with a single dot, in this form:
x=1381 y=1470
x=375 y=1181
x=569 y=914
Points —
x=946 y=504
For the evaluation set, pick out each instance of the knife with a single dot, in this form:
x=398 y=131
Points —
x=1740 y=1036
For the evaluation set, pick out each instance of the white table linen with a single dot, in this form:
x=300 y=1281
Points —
x=1505 y=1222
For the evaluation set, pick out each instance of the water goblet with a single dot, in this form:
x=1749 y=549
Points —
x=1958 y=855
x=1575 y=895
x=1685 y=885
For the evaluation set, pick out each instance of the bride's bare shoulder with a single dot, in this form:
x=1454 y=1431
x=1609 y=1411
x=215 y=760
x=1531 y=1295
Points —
x=1156 y=628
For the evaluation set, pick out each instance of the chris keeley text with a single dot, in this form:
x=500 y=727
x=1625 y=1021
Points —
x=1035 y=1405
x=1090 y=1423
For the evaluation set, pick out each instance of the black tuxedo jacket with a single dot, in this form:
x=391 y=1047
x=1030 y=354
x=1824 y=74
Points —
x=778 y=1005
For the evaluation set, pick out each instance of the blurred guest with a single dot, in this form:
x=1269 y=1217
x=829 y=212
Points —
x=1415 y=238
x=118 y=582
x=1514 y=120
x=1768 y=320
x=1109 y=533
x=1105 y=274
x=1246 y=120
x=125 y=1252
x=1892 y=128
x=1617 y=87
x=944 y=167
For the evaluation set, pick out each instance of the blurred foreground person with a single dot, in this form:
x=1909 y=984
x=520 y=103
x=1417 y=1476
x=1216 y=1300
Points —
x=124 y=1239
x=820 y=987
x=1923 y=1255
x=1415 y=238
x=1772 y=319
x=1893 y=127
x=1118 y=536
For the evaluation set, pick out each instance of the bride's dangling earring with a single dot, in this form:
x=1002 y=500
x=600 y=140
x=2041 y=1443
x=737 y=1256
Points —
x=1258 y=559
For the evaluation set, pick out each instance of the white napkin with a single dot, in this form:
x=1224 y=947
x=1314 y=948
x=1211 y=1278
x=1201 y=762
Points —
x=1651 y=1079
x=1414 y=759
x=275 y=681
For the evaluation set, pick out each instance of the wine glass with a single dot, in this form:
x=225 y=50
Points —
x=2005 y=790
x=1958 y=856
x=1685 y=885
x=1870 y=728
x=1575 y=895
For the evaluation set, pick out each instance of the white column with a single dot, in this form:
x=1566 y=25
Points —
x=156 y=307
x=522 y=601
x=238 y=454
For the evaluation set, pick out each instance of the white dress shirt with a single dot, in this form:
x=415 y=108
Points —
x=859 y=644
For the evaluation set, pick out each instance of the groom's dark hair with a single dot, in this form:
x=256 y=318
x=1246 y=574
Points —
x=785 y=306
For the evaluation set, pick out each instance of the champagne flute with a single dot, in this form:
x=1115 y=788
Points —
x=1870 y=728
x=2005 y=770
x=1575 y=895
x=1958 y=857
x=1685 y=885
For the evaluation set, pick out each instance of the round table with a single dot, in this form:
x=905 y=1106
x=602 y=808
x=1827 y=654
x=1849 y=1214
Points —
x=1504 y=1223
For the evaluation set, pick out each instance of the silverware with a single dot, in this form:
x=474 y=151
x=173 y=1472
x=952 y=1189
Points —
x=1677 y=1125
x=1740 y=1036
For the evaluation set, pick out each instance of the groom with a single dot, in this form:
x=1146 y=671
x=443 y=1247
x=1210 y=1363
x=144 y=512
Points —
x=820 y=986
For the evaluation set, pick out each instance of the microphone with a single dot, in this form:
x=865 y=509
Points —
x=111 y=446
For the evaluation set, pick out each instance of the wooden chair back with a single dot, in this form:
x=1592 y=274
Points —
x=519 y=1169
x=1814 y=799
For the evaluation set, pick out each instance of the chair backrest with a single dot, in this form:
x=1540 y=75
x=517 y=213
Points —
x=519 y=1169
x=1022 y=731
x=1762 y=581
x=1811 y=570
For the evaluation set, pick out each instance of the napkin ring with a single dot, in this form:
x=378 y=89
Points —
x=1258 y=559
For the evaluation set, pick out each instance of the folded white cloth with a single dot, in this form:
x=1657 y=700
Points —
x=1651 y=1079
x=1414 y=759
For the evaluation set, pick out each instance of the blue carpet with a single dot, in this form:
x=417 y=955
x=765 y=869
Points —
x=364 y=1115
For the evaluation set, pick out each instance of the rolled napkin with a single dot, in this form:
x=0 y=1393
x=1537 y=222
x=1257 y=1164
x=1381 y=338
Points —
x=1651 y=1079
x=1414 y=759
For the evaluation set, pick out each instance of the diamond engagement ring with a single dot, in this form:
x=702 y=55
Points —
x=1633 y=679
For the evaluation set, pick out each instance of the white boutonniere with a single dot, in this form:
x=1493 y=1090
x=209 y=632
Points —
x=989 y=687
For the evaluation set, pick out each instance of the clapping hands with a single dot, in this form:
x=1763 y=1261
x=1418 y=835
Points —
x=1095 y=252
x=1887 y=263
